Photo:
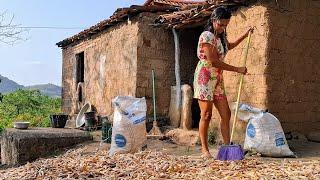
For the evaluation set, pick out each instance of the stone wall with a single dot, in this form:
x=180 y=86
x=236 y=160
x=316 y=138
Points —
x=110 y=68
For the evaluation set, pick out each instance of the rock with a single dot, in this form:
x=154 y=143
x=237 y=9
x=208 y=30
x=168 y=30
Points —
x=183 y=137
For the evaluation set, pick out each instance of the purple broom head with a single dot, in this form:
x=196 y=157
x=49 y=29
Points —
x=230 y=153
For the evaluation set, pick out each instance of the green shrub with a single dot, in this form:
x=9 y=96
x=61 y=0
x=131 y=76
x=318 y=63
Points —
x=212 y=135
x=28 y=105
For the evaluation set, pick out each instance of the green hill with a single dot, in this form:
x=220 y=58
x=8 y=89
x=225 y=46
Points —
x=8 y=85
x=47 y=89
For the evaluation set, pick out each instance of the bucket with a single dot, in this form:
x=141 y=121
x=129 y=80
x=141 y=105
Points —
x=90 y=119
x=58 y=120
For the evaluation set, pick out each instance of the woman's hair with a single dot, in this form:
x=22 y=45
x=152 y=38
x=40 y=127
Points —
x=221 y=12
x=217 y=14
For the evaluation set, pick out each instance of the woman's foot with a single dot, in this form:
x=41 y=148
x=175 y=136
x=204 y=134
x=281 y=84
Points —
x=206 y=155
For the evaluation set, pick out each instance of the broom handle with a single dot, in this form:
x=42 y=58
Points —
x=240 y=88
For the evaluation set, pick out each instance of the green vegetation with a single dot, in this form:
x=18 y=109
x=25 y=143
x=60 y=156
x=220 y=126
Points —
x=213 y=135
x=27 y=105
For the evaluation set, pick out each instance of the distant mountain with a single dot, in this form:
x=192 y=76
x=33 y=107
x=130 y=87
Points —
x=7 y=85
x=47 y=89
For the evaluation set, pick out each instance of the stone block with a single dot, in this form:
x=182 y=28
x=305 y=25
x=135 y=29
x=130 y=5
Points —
x=21 y=146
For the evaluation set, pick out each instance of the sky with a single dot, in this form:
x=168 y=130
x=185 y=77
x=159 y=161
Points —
x=37 y=60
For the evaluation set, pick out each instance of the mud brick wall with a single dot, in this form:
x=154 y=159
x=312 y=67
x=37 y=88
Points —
x=156 y=51
x=292 y=66
x=120 y=60
x=110 y=68
x=282 y=62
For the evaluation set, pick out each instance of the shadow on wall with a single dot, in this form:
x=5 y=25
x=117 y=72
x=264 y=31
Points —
x=293 y=84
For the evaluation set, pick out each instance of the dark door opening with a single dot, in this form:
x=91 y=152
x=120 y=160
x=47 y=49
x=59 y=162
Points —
x=80 y=67
x=80 y=74
x=188 y=62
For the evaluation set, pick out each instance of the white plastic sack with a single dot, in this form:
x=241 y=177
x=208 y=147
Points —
x=264 y=135
x=246 y=112
x=129 y=133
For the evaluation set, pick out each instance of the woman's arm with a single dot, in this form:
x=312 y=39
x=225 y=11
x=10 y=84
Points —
x=237 y=42
x=212 y=56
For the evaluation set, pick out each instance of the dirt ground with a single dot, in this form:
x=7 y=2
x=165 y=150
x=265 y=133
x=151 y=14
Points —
x=305 y=150
x=165 y=160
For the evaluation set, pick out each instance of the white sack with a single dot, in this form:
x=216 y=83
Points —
x=264 y=135
x=129 y=125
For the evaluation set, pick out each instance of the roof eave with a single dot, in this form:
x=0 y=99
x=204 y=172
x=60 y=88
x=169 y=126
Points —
x=120 y=15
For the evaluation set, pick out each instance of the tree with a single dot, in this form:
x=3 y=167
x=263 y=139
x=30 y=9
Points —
x=28 y=105
x=10 y=32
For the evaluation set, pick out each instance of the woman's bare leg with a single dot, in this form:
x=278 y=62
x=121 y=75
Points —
x=225 y=114
x=206 y=113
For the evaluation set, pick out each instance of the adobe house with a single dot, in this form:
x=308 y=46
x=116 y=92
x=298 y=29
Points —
x=116 y=56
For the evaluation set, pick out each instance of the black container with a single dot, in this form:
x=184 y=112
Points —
x=90 y=119
x=89 y=115
x=58 y=120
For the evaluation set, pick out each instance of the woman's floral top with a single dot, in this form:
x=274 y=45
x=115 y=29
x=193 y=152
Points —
x=208 y=80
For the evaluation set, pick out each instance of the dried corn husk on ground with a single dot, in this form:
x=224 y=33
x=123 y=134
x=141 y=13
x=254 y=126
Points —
x=79 y=164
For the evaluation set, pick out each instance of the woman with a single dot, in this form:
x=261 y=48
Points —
x=208 y=80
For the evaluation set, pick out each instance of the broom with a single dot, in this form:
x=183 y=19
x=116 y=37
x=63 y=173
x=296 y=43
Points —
x=234 y=152
x=155 y=131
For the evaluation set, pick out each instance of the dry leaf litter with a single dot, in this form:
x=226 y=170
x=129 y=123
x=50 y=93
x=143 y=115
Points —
x=78 y=164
